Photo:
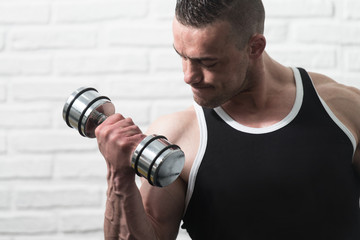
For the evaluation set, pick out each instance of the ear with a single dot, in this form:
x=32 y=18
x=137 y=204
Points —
x=257 y=44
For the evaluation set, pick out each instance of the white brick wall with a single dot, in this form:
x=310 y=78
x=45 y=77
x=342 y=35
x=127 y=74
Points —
x=52 y=181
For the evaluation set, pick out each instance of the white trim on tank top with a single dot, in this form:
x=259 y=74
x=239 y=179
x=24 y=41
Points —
x=293 y=113
x=200 y=154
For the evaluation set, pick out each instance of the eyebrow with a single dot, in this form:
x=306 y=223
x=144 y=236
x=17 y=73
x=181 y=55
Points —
x=195 y=59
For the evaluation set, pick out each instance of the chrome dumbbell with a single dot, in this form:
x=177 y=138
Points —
x=155 y=159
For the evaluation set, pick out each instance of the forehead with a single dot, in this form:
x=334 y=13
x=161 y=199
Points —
x=208 y=40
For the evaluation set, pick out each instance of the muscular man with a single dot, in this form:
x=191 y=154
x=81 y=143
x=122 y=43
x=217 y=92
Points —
x=271 y=151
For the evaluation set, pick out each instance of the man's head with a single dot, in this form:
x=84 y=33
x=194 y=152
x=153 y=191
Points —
x=246 y=17
x=221 y=44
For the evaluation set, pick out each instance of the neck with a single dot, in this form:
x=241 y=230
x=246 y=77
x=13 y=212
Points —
x=269 y=93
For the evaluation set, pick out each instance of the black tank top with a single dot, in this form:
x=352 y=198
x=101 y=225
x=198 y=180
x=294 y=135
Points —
x=293 y=180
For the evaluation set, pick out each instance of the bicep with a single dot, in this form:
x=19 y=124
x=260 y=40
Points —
x=165 y=207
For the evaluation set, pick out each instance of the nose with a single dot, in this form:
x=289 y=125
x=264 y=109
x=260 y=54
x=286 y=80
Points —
x=192 y=72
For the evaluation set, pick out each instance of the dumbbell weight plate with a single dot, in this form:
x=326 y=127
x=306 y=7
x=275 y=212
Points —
x=159 y=161
x=85 y=109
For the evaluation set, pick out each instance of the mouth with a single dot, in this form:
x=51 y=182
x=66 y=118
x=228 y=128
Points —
x=201 y=91
x=200 y=87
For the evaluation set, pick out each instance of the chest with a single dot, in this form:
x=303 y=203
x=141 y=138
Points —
x=292 y=158
x=284 y=182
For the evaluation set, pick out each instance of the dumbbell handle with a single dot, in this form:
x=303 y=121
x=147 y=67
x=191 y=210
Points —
x=156 y=159
x=99 y=117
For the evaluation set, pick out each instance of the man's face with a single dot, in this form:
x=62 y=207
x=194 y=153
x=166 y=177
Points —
x=212 y=64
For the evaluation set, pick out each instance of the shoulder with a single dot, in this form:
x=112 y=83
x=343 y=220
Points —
x=343 y=100
x=176 y=125
x=182 y=129
x=331 y=90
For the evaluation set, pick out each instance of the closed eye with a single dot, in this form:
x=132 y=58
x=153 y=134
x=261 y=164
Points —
x=208 y=63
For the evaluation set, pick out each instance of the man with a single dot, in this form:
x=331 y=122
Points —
x=271 y=151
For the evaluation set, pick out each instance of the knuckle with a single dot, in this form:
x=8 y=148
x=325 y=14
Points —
x=113 y=136
x=103 y=133
x=117 y=116
x=97 y=131
x=129 y=121
x=125 y=144
x=134 y=128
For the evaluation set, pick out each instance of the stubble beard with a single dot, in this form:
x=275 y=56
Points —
x=211 y=102
x=220 y=99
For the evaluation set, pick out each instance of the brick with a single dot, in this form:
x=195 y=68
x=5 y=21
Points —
x=82 y=222
x=6 y=238
x=26 y=166
x=307 y=58
x=352 y=80
x=25 y=116
x=83 y=236
x=58 y=197
x=3 y=92
x=276 y=32
x=139 y=111
x=305 y=8
x=166 y=60
x=4 y=198
x=21 y=64
x=24 y=13
x=45 y=89
x=168 y=107
x=80 y=166
x=154 y=87
x=102 y=63
x=2 y=40
x=330 y=33
x=28 y=90
x=162 y=9
x=99 y=10
x=3 y=142
x=352 y=9
x=353 y=59
x=141 y=35
x=29 y=223
x=49 y=141
x=54 y=38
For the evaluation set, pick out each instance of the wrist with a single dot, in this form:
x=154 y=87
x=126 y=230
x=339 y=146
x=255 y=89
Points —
x=121 y=180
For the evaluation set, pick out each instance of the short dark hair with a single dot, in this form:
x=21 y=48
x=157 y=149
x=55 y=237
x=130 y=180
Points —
x=246 y=17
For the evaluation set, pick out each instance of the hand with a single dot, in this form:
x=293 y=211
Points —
x=117 y=139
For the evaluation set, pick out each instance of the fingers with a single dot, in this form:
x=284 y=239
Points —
x=114 y=118
x=120 y=130
x=117 y=139
x=109 y=121
x=117 y=123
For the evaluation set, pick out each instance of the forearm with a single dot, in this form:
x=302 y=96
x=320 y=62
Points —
x=125 y=217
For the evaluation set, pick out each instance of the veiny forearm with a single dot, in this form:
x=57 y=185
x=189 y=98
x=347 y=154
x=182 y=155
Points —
x=125 y=217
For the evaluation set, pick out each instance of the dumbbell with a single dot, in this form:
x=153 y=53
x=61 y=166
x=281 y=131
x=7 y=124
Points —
x=155 y=158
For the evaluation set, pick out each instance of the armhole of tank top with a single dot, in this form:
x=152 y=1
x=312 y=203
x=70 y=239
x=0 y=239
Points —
x=336 y=119
x=200 y=154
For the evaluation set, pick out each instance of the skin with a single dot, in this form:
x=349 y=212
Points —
x=252 y=88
